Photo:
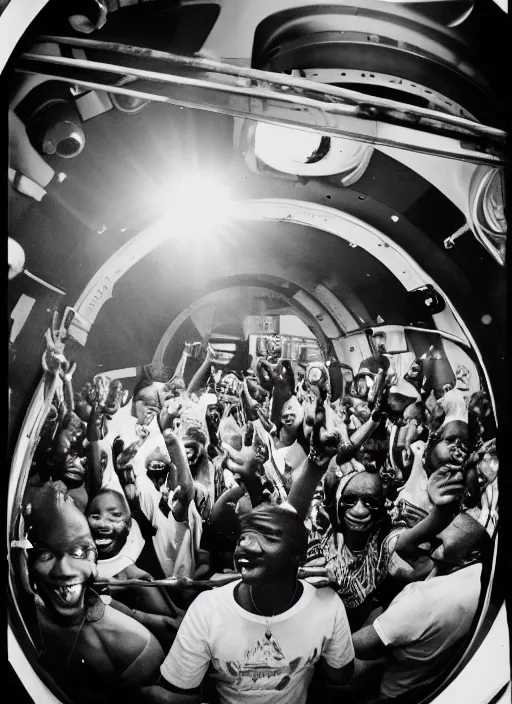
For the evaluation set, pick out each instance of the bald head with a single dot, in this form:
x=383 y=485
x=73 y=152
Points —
x=52 y=511
x=463 y=542
x=62 y=561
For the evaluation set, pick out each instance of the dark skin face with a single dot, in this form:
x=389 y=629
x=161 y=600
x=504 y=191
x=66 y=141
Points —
x=455 y=546
x=264 y=555
x=67 y=461
x=146 y=405
x=176 y=388
x=196 y=452
x=109 y=521
x=361 y=410
x=362 y=386
x=63 y=563
x=290 y=417
x=213 y=417
x=73 y=470
x=451 y=450
x=359 y=505
x=157 y=472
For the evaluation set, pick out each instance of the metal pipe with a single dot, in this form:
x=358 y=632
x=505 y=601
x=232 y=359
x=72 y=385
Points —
x=446 y=335
x=274 y=109
x=450 y=241
x=364 y=108
x=188 y=583
x=280 y=81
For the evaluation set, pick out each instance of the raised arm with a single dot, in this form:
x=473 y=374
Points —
x=184 y=479
x=349 y=449
x=201 y=374
x=323 y=445
x=247 y=463
x=445 y=487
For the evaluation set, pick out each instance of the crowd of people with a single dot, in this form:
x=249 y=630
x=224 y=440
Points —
x=255 y=537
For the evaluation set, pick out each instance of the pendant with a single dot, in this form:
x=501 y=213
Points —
x=268 y=632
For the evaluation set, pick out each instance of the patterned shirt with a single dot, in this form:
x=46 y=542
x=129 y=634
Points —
x=354 y=576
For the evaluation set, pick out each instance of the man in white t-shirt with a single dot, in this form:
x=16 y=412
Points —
x=261 y=638
x=424 y=627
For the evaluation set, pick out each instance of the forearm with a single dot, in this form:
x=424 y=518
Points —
x=424 y=531
x=230 y=496
x=361 y=434
x=367 y=644
x=254 y=489
x=303 y=488
x=199 y=377
x=183 y=475
x=151 y=621
x=94 y=474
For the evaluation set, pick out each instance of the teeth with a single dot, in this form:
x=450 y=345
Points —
x=103 y=541
x=69 y=592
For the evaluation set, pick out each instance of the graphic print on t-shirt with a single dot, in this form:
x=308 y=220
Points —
x=265 y=666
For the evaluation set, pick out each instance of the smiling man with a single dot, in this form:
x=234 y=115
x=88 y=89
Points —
x=261 y=637
x=93 y=651
x=117 y=538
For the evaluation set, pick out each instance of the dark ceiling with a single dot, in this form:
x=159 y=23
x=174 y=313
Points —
x=121 y=179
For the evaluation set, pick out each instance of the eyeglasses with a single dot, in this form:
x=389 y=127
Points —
x=370 y=502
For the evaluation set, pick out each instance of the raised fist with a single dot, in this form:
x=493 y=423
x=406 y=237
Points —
x=445 y=487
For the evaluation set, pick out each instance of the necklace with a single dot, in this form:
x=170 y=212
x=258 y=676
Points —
x=71 y=652
x=268 y=631
x=76 y=641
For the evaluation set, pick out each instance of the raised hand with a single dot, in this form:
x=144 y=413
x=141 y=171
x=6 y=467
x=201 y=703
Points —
x=324 y=439
x=249 y=404
x=97 y=402
x=418 y=449
x=445 y=487
x=256 y=391
x=171 y=410
x=123 y=466
x=248 y=462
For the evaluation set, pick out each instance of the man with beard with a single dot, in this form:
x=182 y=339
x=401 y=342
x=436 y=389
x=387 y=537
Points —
x=280 y=628
x=93 y=651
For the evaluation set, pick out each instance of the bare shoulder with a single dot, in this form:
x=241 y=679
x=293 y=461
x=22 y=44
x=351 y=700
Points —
x=126 y=640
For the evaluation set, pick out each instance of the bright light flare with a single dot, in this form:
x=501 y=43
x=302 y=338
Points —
x=198 y=205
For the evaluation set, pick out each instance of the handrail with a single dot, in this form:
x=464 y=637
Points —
x=278 y=99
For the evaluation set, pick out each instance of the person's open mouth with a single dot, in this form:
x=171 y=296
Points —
x=74 y=473
x=103 y=543
x=246 y=564
x=358 y=524
x=458 y=456
x=70 y=593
